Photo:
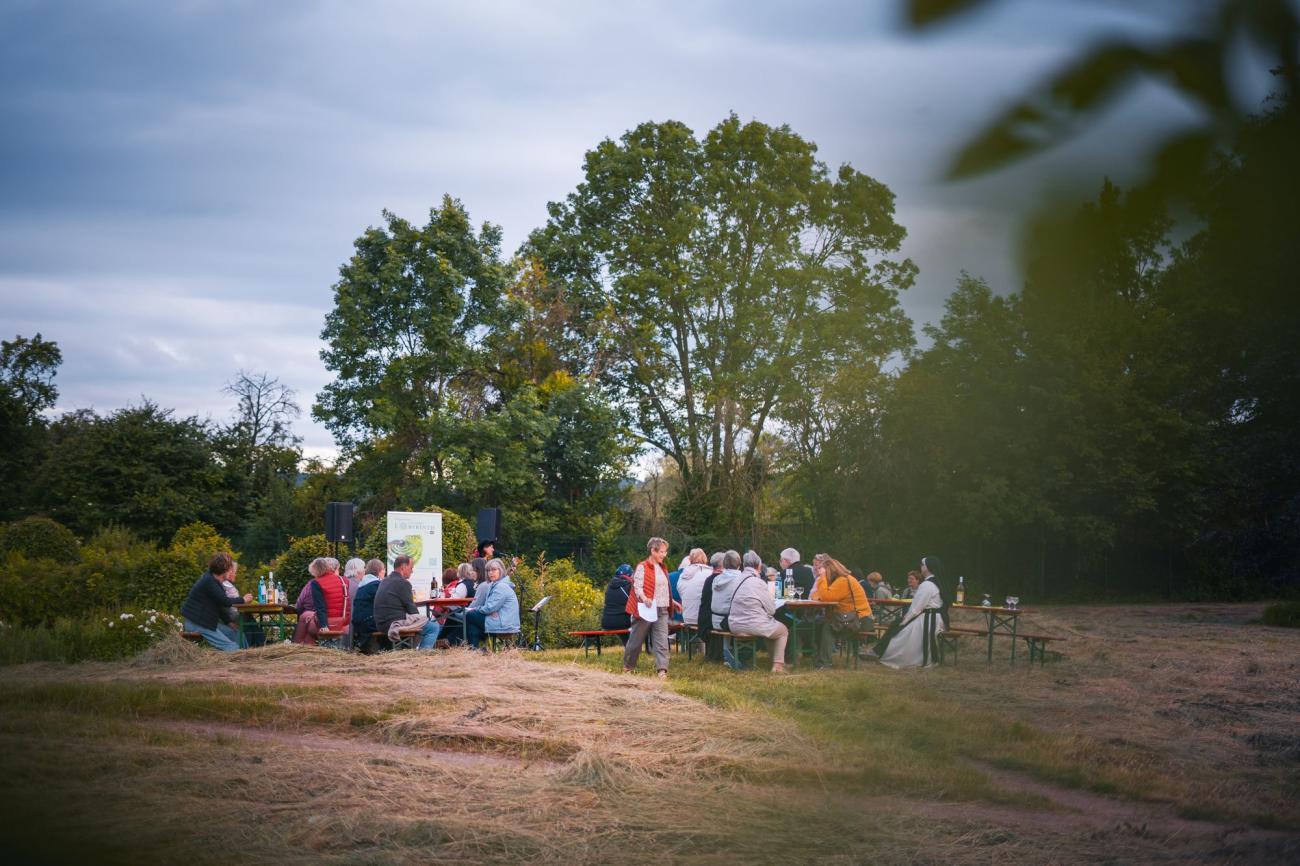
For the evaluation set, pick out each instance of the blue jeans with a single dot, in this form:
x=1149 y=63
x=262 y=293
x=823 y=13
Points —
x=476 y=621
x=223 y=637
x=728 y=655
x=429 y=636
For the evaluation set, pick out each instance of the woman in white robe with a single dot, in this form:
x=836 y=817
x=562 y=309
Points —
x=907 y=648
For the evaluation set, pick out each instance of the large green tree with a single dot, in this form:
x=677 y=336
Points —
x=453 y=388
x=726 y=286
x=139 y=467
x=27 y=370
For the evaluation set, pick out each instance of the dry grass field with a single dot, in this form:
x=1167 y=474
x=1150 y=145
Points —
x=1168 y=734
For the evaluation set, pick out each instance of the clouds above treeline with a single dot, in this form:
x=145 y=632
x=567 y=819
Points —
x=180 y=181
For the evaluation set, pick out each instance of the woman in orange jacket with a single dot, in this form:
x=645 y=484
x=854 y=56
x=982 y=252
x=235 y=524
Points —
x=852 y=613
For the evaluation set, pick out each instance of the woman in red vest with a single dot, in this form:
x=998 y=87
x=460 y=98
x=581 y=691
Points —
x=651 y=597
x=324 y=602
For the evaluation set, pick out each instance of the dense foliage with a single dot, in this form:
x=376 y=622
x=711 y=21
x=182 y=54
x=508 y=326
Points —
x=575 y=603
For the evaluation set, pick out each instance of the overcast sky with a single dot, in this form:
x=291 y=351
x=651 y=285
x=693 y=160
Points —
x=180 y=181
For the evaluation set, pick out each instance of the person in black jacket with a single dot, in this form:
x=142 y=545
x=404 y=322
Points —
x=615 y=615
x=363 y=608
x=712 y=645
x=207 y=610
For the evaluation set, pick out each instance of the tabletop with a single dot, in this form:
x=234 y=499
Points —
x=444 y=602
x=256 y=607
x=805 y=602
x=1014 y=611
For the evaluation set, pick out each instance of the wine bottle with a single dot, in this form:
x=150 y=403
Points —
x=961 y=590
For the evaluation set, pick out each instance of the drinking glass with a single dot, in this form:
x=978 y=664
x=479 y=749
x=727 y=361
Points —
x=1013 y=601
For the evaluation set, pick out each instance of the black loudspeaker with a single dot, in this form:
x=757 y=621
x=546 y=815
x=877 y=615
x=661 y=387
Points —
x=489 y=524
x=338 y=521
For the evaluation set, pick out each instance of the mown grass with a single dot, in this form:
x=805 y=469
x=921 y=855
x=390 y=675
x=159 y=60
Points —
x=893 y=733
x=251 y=704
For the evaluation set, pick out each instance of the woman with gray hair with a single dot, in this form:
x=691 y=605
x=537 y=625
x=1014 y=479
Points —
x=352 y=573
x=495 y=608
x=651 y=597
x=324 y=602
x=753 y=611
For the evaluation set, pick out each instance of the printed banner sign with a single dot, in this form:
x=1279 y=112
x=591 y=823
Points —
x=417 y=534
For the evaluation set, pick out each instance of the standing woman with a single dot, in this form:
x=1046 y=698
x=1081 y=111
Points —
x=852 y=612
x=650 y=588
x=907 y=648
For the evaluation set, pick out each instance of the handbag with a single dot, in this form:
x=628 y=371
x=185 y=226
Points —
x=847 y=621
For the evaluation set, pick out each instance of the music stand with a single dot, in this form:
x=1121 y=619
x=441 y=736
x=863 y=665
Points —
x=537 y=624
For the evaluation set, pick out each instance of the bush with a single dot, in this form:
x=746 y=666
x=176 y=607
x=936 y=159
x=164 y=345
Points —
x=458 y=541
x=103 y=635
x=290 y=567
x=197 y=542
x=1285 y=614
x=575 y=602
x=40 y=538
x=36 y=592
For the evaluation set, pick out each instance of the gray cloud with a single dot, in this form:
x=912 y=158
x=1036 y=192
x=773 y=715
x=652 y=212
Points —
x=176 y=172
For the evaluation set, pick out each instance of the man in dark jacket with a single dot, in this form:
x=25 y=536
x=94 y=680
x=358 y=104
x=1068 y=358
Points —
x=394 y=601
x=363 y=606
x=713 y=645
x=207 y=610
x=614 y=615
x=796 y=573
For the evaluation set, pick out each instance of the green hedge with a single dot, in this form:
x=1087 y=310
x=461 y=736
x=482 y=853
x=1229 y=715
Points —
x=1285 y=614
x=575 y=602
x=40 y=538
x=115 y=569
x=99 y=635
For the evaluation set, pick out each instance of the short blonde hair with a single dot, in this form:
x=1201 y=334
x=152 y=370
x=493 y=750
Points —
x=655 y=543
x=699 y=556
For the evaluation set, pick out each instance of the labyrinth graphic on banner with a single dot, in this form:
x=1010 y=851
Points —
x=417 y=534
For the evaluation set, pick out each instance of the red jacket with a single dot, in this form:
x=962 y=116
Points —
x=338 y=612
x=648 y=586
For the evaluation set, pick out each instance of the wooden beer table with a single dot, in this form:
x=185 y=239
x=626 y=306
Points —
x=997 y=620
x=803 y=611
x=269 y=617
x=431 y=603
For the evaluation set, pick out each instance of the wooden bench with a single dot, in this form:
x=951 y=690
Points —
x=409 y=637
x=1038 y=646
x=599 y=635
x=192 y=636
x=331 y=638
x=741 y=642
x=503 y=640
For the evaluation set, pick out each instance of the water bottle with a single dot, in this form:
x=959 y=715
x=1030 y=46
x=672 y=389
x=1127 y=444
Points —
x=261 y=590
x=780 y=586
x=280 y=595
x=961 y=590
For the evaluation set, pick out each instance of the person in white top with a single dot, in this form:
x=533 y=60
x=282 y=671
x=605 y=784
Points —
x=907 y=648
x=691 y=583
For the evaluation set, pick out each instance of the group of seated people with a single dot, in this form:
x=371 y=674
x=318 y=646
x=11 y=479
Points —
x=731 y=593
x=362 y=607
